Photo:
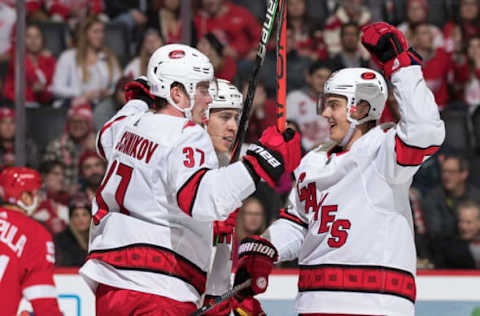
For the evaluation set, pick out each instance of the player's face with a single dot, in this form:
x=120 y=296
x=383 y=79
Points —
x=202 y=100
x=80 y=219
x=469 y=223
x=222 y=127
x=335 y=111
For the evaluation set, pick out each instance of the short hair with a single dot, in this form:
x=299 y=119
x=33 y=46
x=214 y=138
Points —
x=321 y=64
x=469 y=204
x=47 y=166
x=463 y=164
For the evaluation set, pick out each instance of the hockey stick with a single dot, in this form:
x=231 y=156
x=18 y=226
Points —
x=272 y=6
x=227 y=295
x=281 y=66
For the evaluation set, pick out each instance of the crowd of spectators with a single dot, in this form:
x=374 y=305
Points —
x=108 y=43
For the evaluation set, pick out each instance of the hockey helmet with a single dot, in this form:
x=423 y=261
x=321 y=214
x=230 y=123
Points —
x=178 y=63
x=356 y=85
x=225 y=96
x=15 y=180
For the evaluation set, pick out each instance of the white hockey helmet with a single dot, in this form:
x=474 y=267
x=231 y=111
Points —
x=225 y=96
x=359 y=84
x=178 y=63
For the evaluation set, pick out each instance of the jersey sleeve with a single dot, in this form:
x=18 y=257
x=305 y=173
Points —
x=418 y=134
x=37 y=285
x=107 y=135
x=219 y=281
x=204 y=191
x=288 y=232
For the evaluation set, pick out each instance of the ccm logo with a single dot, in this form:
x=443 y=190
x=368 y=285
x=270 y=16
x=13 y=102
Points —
x=176 y=54
x=266 y=155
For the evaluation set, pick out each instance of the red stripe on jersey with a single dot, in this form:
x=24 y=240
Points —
x=408 y=155
x=188 y=192
x=285 y=215
x=351 y=278
x=156 y=259
x=104 y=128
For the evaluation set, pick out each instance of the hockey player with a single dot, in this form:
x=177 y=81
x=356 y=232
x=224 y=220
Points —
x=151 y=236
x=221 y=120
x=27 y=253
x=349 y=221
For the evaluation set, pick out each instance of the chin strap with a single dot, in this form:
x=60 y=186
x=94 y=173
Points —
x=29 y=209
x=349 y=134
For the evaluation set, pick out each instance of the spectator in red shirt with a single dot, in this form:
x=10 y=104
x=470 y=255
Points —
x=238 y=26
x=467 y=74
x=68 y=11
x=52 y=210
x=469 y=23
x=223 y=66
x=437 y=66
x=39 y=69
x=308 y=38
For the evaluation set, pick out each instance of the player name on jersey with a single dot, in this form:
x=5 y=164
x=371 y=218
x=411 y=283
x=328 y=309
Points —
x=136 y=146
x=8 y=234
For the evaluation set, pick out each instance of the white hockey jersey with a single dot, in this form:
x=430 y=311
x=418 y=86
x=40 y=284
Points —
x=302 y=109
x=153 y=213
x=349 y=222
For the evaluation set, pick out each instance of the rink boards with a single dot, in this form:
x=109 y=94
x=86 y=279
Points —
x=440 y=293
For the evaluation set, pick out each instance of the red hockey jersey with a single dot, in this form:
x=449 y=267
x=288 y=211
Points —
x=27 y=257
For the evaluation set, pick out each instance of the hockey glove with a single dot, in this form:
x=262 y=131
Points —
x=222 y=309
x=273 y=155
x=248 y=306
x=223 y=230
x=139 y=89
x=257 y=256
x=388 y=47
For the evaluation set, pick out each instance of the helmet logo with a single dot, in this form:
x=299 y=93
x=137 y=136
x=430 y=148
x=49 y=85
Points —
x=176 y=54
x=368 y=76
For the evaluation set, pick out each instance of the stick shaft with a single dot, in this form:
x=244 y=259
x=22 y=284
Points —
x=282 y=67
x=227 y=295
x=272 y=6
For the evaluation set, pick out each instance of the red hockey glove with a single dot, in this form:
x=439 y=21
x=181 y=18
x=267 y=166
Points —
x=273 y=155
x=223 y=230
x=139 y=89
x=257 y=256
x=388 y=47
x=222 y=309
x=248 y=306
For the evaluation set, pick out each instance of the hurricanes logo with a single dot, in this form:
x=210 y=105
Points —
x=176 y=54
